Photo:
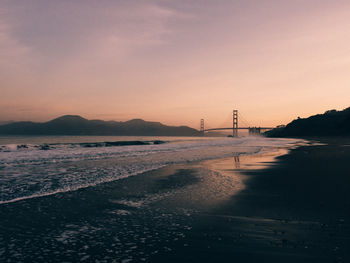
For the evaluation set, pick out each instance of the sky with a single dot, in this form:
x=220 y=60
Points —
x=174 y=61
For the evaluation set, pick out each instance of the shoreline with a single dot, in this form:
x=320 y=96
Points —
x=136 y=218
x=296 y=210
x=111 y=180
x=242 y=209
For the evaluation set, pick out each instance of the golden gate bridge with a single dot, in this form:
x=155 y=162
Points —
x=235 y=127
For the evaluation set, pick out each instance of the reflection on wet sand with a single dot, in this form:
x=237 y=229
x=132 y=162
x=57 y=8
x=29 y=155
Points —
x=236 y=161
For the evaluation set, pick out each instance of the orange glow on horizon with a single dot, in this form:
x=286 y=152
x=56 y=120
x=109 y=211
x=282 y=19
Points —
x=174 y=62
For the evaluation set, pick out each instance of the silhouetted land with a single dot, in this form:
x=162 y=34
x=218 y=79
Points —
x=76 y=125
x=331 y=123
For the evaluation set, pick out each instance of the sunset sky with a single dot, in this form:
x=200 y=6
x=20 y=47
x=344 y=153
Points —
x=174 y=61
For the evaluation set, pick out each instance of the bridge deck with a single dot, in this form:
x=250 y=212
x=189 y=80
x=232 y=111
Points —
x=239 y=128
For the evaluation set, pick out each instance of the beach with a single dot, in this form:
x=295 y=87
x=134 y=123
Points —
x=288 y=204
x=174 y=131
x=295 y=210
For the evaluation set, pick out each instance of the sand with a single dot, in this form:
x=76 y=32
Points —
x=295 y=210
x=273 y=207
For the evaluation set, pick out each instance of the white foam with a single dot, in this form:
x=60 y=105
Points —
x=31 y=173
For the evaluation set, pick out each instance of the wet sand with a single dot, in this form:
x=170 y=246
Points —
x=258 y=208
x=296 y=209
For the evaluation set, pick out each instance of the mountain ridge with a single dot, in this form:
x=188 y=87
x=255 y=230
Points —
x=77 y=125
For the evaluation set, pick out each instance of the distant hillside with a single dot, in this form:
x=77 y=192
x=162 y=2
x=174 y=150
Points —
x=5 y=122
x=76 y=125
x=331 y=123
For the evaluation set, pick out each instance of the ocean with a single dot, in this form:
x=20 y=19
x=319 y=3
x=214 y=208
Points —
x=89 y=198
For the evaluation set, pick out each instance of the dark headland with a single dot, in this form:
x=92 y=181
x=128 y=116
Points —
x=76 y=125
x=331 y=123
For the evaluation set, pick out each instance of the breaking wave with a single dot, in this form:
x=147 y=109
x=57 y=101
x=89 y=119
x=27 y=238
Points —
x=35 y=170
x=51 y=146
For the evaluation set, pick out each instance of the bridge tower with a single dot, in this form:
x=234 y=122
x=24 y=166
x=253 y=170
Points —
x=202 y=126
x=235 y=123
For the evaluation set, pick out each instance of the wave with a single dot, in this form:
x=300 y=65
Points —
x=73 y=188
x=121 y=143
x=51 y=146
x=28 y=172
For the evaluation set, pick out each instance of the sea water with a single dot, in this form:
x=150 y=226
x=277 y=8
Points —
x=32 y=167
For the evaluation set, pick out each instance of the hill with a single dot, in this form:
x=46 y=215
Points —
x=76 y=125
x=331 y=123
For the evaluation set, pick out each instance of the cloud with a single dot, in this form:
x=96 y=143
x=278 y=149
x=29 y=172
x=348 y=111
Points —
x=62 y=39
x=14 y=55
x=60 y=29
x=60 y=49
